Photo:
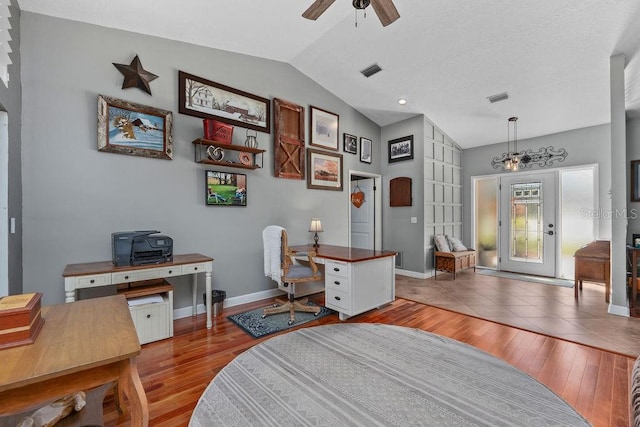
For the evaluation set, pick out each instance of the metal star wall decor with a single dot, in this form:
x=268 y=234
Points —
x=135 y=75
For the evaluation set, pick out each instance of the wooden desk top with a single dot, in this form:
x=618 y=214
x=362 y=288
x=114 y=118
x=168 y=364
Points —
x=108 y=267
x=75 y=337
x=344 y=253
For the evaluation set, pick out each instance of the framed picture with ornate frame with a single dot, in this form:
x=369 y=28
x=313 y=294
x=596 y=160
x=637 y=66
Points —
x=401 y=149
x=323 y=129
x=324 y=170
x=135 y=129
x=210 y=100
x=365 y=150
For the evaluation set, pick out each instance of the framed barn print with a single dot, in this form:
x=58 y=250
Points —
x=210 y=100
x=134 y=129
x=323 y=129
x=324 y=170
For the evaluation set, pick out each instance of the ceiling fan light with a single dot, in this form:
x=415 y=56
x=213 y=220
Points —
x=361 y=4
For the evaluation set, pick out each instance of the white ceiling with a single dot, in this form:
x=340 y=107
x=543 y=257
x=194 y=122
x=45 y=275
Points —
x=444 y=56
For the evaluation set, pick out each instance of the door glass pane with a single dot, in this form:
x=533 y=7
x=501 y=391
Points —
x=526 y=222
x=486 y=219
x=578 y=215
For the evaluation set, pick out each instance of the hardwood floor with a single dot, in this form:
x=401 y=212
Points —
x=176 y=371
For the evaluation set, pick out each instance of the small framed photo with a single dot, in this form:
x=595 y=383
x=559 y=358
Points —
x=225 y=188
x=350 y=143
x=134 y=129
x=324 y=170
x=365 y=150
x=323 y=129
x=401 y=149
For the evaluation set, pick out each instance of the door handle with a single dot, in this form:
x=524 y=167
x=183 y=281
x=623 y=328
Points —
x=550 y=232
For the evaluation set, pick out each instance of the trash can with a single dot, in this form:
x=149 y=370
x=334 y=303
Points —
x=217 y=301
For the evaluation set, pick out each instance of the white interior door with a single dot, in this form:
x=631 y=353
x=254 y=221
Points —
x=528 y=224
x=363 y=218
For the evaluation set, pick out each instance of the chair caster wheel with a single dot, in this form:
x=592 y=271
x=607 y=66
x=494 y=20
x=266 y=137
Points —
x=290 y=322
x=274 y=305
x=264 y=316
x=316 y=314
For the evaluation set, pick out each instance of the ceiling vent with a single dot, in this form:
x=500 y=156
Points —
x=371 y=70
x=499 y=97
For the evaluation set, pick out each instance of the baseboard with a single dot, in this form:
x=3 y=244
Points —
x=180 y=313
x=414 y=274
x=619 y=310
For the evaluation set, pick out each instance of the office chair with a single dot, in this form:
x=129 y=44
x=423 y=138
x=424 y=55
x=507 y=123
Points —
x=278 y=264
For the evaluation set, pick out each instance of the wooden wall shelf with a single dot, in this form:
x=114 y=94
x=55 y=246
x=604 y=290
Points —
x=233 y=154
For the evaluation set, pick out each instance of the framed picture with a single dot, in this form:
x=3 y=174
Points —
x=325 y=170
x=323 y=129
x=365 y=150
x=401 y=149
x=350 y=143
x=203 y=98
x=635 y=180
x=226 y=188
x=135 y=129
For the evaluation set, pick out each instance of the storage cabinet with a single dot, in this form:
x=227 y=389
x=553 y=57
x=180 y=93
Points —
x=153 y=320
x=229 y=155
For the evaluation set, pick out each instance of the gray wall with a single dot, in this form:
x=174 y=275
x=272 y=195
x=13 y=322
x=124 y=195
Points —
x=74 y=197
x=11 y=102
x=399 y=233
x=584 y=146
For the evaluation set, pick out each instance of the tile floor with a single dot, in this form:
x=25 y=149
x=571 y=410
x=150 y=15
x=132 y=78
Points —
x=546 y=309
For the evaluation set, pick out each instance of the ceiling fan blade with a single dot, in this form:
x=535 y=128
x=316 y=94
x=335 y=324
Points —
x=316 y=9
x=386 y=11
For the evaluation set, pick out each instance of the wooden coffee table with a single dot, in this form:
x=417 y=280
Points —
x=82 y=345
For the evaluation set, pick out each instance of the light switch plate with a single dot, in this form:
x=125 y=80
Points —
x=414 y=220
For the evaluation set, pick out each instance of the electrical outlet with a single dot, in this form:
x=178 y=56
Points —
x=414 y=220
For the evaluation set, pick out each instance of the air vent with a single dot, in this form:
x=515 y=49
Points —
x=371 y=70
x=499 y=97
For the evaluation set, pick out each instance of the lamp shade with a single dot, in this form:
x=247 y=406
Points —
x=316 y=225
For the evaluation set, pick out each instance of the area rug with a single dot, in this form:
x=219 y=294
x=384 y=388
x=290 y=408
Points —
x=361 y=374
x=252 y=322
x=527 y=278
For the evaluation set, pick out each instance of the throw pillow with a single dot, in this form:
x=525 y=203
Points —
x=455 y=244
x=441 y=243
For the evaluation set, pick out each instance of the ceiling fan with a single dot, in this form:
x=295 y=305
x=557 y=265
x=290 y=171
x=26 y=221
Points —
x=385 y=9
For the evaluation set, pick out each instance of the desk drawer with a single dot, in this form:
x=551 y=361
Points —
x=137 y=275
x=336 y=300
x=195 y=268
x=337 y=268
x=95 y=280
x=339 y=283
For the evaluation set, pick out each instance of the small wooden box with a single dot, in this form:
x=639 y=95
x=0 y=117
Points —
x=217 y=131
x=20 y=319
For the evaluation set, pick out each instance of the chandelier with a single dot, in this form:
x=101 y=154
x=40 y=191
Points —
x=513 y=160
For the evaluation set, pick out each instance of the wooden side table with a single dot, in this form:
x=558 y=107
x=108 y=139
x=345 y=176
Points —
x=592 y=263
x=82 y=345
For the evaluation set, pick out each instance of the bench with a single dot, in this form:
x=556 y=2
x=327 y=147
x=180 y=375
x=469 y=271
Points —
x=453 y=262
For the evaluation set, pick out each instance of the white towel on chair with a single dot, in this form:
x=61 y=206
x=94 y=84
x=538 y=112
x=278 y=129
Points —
x=272 y=241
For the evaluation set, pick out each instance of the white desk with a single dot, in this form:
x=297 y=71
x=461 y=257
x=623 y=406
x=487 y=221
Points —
x=355 y=280
x=104 y=273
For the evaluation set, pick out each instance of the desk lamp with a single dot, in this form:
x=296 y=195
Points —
x=316 y=227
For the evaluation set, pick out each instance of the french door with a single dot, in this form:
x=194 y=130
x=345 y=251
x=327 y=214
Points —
x=527 y=224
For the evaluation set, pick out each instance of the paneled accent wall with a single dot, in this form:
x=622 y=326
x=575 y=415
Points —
x=442 y=188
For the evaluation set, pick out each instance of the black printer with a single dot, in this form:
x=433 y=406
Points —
x=140 y=248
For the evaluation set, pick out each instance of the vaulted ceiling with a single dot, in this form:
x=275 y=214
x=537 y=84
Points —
x=445 y=57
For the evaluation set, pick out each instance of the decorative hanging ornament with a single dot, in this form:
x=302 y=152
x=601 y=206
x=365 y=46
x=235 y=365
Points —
x=357 y=197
